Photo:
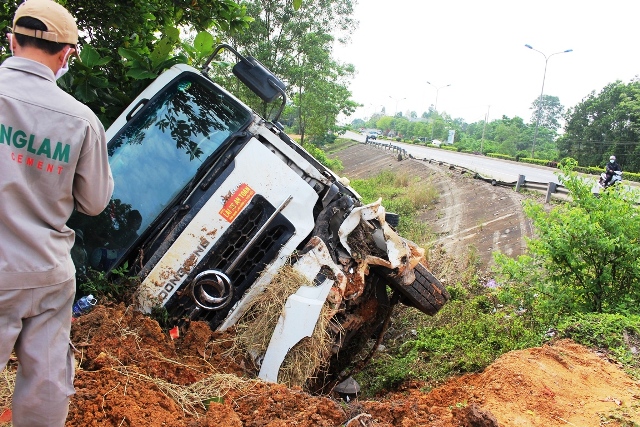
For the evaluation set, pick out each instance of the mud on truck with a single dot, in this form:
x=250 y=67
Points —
x=212 y=202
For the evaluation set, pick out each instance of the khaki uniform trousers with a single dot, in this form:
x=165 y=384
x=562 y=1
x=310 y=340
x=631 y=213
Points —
x=37 y=324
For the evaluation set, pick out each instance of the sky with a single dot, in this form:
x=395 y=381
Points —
x=478 y=47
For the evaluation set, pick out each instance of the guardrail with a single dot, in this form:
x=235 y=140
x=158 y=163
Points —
x=401 y=151
x=550 y=188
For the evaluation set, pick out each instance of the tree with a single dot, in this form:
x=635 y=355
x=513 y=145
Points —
x=125 y=45
x=385 y=123
x=373 y=120
x=550 y=112
x=297 y=46
x=586 y=256
x=321 y=86
x=604 y=124
x=358 y=123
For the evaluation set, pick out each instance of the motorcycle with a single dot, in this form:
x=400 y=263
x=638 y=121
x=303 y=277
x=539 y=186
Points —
x=617 y=177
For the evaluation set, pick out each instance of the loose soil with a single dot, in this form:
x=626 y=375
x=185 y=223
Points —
x=132 y=373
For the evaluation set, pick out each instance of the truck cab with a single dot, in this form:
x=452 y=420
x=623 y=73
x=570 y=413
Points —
x=211 y=201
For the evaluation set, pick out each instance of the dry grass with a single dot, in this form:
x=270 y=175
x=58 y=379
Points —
x=195 y=397
x=254 y=330
x=401 y=180
x=7 y=383
x=423 y=195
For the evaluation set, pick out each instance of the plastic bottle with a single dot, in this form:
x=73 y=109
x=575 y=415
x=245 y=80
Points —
x=83 y=305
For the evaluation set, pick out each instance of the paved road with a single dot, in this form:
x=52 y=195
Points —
x=501 y=170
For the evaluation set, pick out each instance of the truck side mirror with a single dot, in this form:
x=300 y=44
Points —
x=255 y=76
x=259 y=79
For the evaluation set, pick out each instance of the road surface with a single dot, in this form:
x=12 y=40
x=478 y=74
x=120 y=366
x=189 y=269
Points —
x=501 y=170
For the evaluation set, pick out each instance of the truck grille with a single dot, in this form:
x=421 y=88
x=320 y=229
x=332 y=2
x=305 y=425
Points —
x=180 y=306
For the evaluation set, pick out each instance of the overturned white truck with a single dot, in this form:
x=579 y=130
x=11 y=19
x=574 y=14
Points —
x=211 y=201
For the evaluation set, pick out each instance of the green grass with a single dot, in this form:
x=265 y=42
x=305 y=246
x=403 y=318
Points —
x=403 y=195
x=468 y=334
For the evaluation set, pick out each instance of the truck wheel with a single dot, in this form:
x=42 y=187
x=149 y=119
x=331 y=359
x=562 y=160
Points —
x=426 y=293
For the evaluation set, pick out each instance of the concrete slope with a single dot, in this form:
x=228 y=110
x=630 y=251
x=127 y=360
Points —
x=471 y=219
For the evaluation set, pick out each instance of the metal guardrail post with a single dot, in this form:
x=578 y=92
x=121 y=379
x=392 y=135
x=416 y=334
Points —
x=551 y=189
x=520 y=183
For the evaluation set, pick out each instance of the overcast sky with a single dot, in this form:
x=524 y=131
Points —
x=478 y=47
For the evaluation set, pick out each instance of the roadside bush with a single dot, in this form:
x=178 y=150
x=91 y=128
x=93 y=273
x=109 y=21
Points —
x=449 y=147
x=327 y=138
x=333 y=164
x=585 y=255
x=500 y=156
x=540 y=162
x=631 y=176
x=567 y=161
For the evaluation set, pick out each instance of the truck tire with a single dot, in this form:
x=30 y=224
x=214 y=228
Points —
x=426 y=293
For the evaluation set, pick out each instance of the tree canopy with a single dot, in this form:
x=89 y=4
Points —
x=126 y=44
x=603 y=124
x=297 y=46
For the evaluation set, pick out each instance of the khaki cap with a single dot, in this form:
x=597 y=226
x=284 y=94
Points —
x=61 y=26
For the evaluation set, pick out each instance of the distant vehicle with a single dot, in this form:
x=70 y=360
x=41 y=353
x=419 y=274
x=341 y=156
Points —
x=617 y=177
x=372 y=135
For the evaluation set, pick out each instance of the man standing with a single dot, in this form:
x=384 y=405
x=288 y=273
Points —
x=53 y=158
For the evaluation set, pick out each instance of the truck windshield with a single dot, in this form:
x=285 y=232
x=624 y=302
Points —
x=153 y=158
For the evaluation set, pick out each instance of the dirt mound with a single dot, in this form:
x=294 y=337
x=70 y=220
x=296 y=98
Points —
x=132 y=373
x=555 y=385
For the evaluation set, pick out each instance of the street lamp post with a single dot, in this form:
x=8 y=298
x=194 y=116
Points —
x=437 y=92
x=397 y=100
x=546 y=61
x=484 y=127
x=436 y=104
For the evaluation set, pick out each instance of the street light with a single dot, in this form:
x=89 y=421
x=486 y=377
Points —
x=397 y=100
x=436 y=105
x=437 y=91
x=546 y=61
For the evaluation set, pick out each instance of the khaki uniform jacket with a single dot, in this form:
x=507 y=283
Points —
x=53 y=158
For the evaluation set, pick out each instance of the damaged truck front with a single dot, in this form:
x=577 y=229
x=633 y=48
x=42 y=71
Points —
x=212 y=202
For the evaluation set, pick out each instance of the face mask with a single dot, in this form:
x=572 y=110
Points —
x=611 y=160
x=65 y=67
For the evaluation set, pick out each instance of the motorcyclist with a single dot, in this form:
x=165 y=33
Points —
x=610 y=169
